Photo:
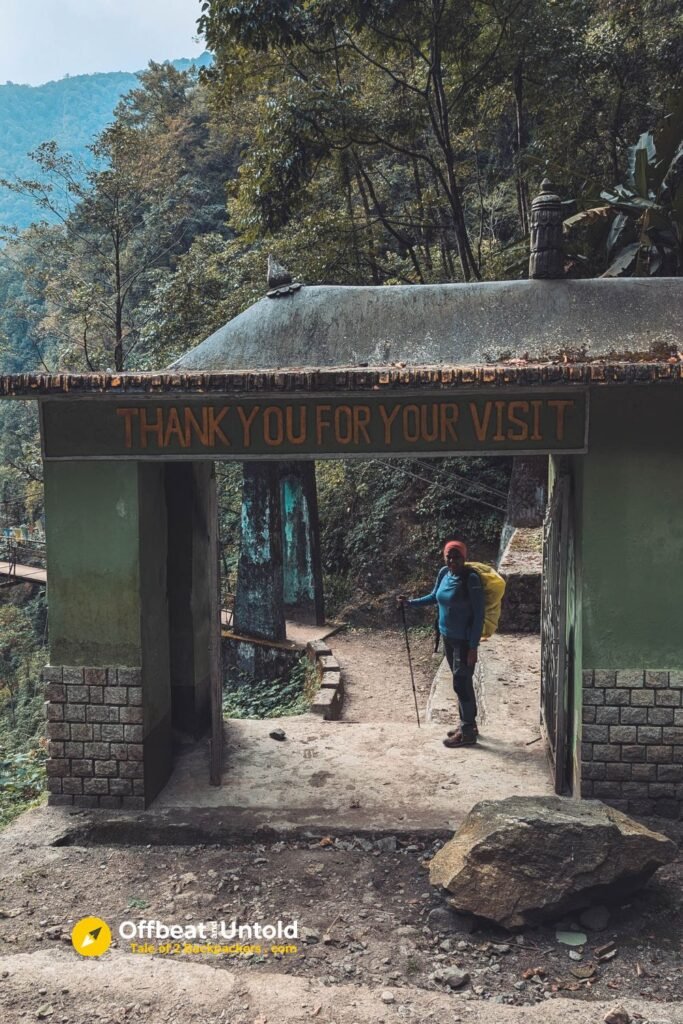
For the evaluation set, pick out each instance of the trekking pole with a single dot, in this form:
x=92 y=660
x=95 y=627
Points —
x=410 y=660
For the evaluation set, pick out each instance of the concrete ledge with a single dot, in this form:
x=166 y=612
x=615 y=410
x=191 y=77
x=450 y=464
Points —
x=317 y=649
x=330 y=697
x=522 y=566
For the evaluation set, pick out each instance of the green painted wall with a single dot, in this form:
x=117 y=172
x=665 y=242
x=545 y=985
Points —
x=189 y=549
x=575 y=620
x=153 y=594
x=92 y=563
x=631 y=488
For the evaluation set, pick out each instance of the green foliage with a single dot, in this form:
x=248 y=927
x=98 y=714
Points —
x=249 y=698
x=639 y=230
x=22 y=781
x=384 y=522
x=22 y=746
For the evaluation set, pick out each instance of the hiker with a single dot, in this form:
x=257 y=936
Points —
x=459 y=594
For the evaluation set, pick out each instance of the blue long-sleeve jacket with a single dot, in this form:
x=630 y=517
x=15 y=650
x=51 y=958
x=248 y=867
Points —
x=461 y=606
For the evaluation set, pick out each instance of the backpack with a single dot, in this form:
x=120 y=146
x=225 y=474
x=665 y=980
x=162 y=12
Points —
x=492 y=584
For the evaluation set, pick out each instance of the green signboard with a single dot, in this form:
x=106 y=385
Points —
x=352 y=425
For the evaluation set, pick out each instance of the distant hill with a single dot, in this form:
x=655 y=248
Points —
x=71 y=111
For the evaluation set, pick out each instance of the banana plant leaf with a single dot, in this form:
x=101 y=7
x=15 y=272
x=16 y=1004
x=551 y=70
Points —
x=586 y=217
x=621 y=232
x=671 y=193
x=624 y=261
x=668 y=136
x=624 y=199
x=642 y=158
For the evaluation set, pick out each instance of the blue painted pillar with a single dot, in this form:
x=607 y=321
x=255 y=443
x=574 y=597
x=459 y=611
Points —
x=259 y=601
x=302 y=567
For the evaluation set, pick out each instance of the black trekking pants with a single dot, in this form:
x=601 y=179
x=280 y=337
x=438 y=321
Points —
x=463 y=680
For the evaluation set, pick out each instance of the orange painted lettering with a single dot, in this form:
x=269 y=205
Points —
x=388 y=419
x=536 y=406
x=500 y=409
x=481 y=425
x=361 y=418
x=523 y=432
x=247 y=420
x=128 y=415
x=173 y=427
x=411 y=423
x=429 y=432
x=273 y=426
x=213 y=428
x=192 y=426
x=152 y=428
x=449 y=417
x=320 y=423
x=289 y=424
x=560 y=405
x=343 y=424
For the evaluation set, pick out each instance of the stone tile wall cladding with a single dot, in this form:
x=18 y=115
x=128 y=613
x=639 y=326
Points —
x=94 y=729
x=632 y=750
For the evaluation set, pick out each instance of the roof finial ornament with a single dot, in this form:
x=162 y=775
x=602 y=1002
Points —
x=546 y=256
x=279 y=280
x=277 y=274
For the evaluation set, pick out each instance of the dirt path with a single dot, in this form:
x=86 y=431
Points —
x=370 y=947
x=374 y=664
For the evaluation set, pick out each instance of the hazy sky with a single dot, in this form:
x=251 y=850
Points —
x=41 y=40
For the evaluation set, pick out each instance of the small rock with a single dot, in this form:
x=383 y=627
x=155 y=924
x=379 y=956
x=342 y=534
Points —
x=277 y=734
x=442 y=919
x=575 y=955
x=44 y=1011
x=309 y=935
x=54 y=932
x=455 y=978
x=387 y=844
x=520 y=985
x=388 y=997
x=502 y=947
x=595 y=918
x=617 y=1015
x=571 y=938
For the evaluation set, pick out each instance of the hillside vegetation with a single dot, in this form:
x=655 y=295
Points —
x=71 y=112
x=361 y=143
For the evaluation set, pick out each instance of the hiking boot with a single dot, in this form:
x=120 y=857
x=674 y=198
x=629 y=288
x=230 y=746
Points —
x=458 y=738
x=473 y=729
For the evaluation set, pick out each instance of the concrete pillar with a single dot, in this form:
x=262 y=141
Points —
x=191 y=543
x=259 y=601
x=108 y=682
x=528 y=491
x=303 y=580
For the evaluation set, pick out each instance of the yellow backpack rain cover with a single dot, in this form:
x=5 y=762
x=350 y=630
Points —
x=493 y=586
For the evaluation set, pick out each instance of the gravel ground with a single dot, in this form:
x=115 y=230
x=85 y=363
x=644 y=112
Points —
x=366 y=917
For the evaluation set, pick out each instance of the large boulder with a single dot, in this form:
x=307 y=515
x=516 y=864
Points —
x=526 y=859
